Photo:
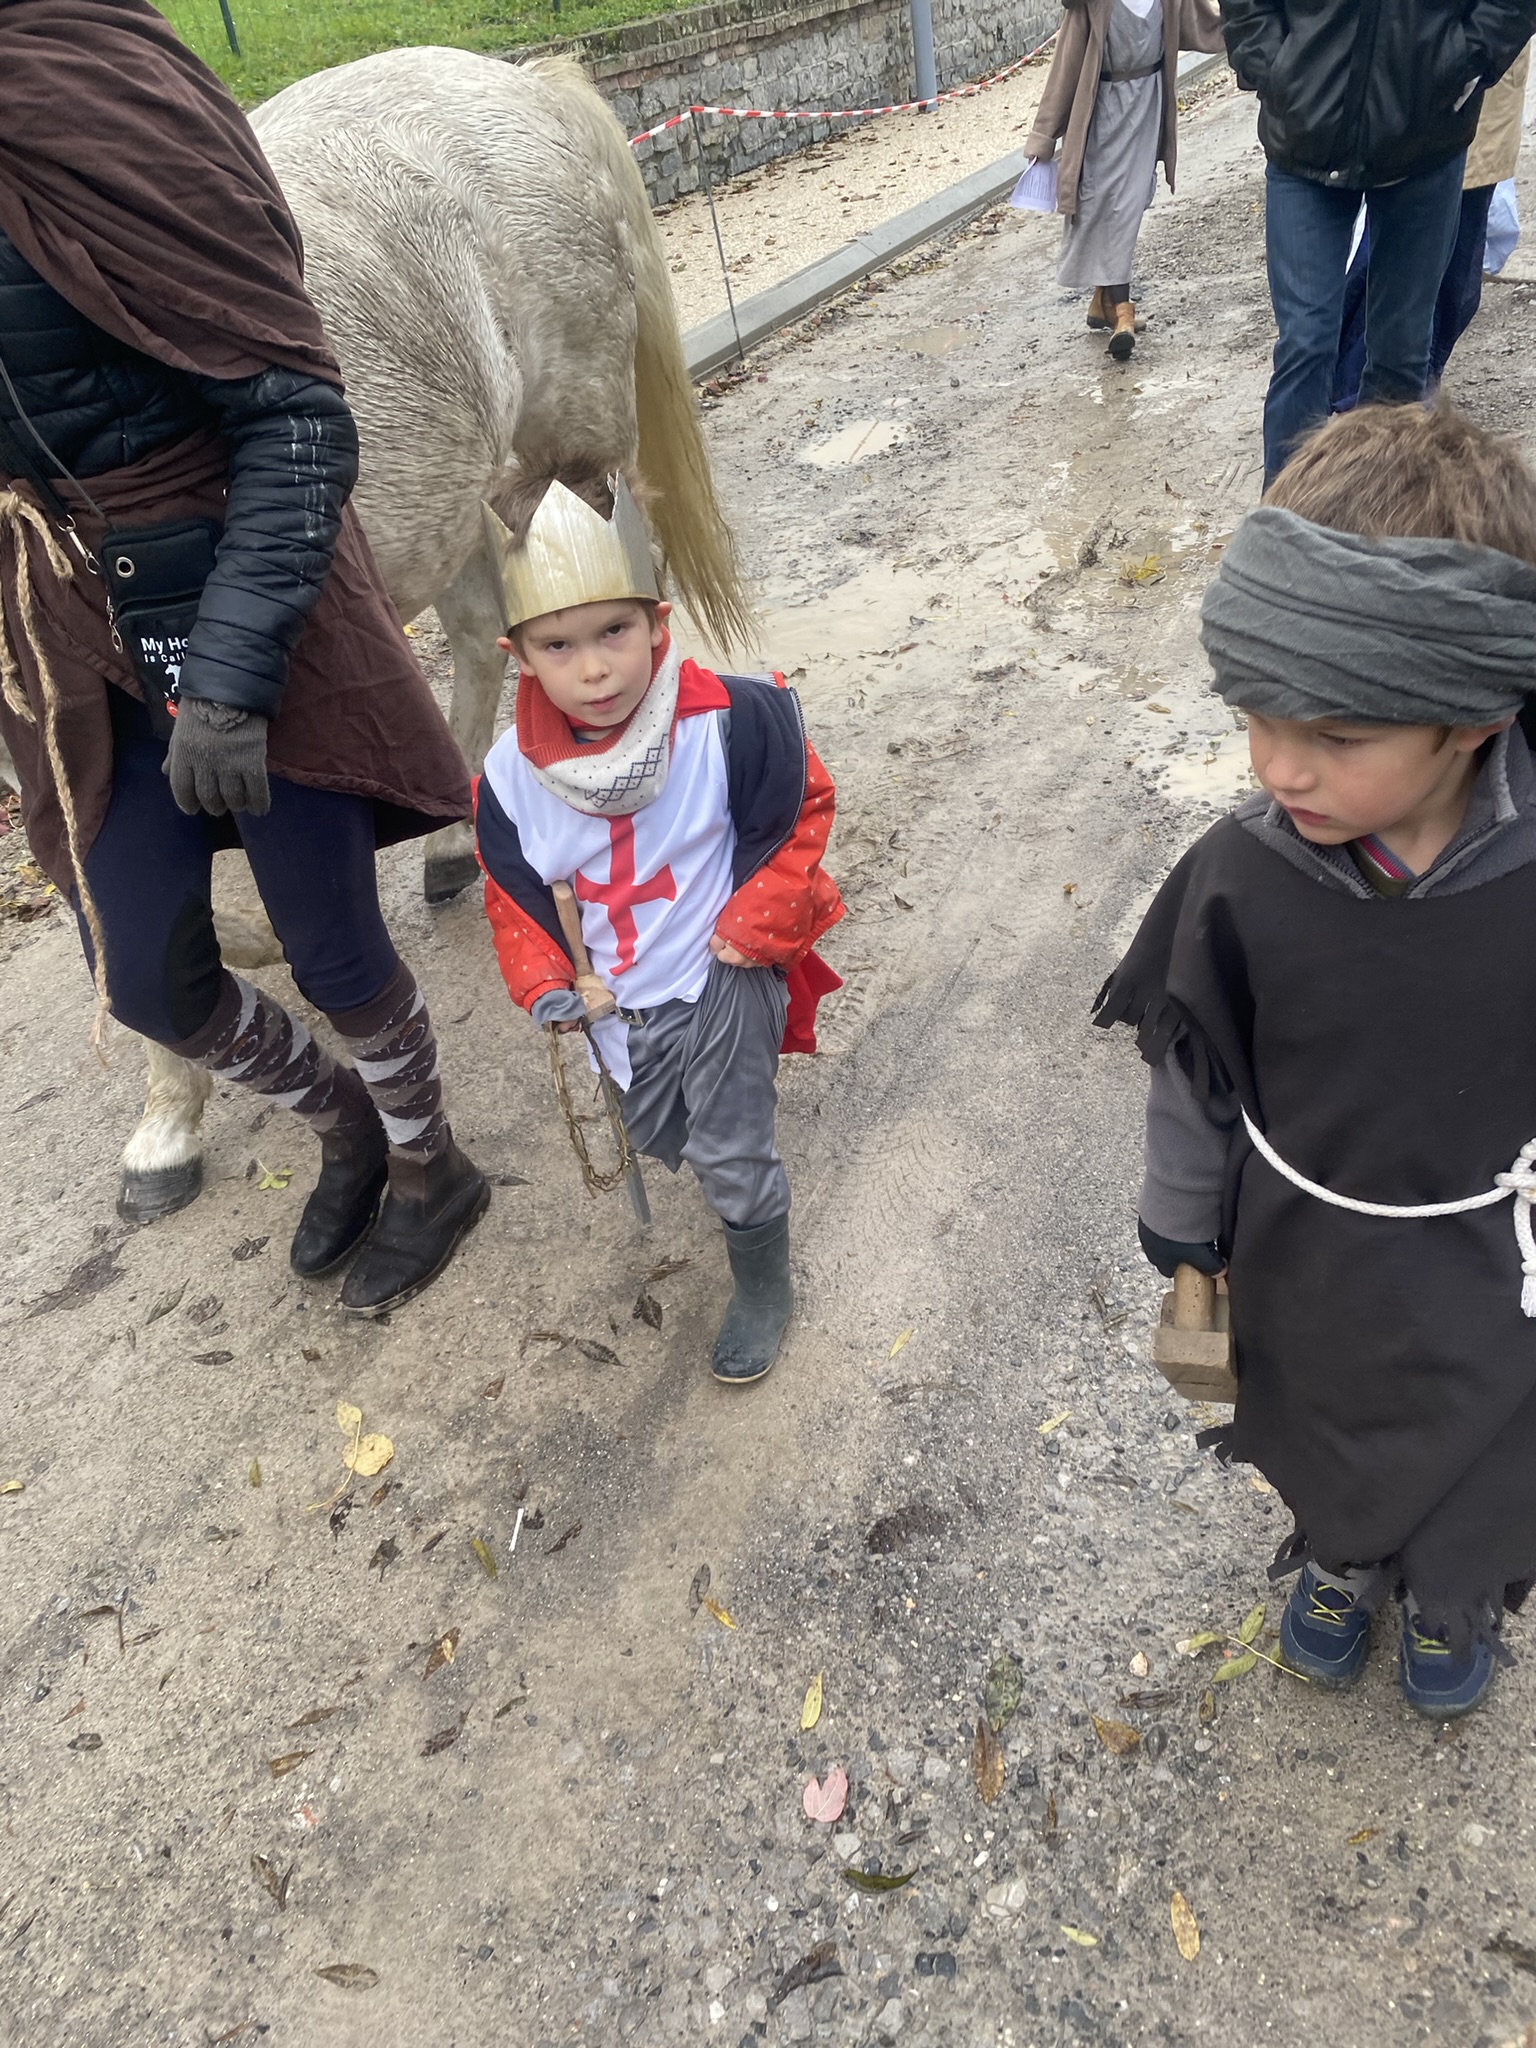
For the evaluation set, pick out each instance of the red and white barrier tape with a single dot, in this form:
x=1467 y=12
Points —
x=959 y=92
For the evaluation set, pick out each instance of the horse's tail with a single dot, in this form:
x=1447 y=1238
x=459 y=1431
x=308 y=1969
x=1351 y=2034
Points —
x=674 y=462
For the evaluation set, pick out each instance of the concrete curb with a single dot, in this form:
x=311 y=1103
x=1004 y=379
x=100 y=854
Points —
x=713 y=343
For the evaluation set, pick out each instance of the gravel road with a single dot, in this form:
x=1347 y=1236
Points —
x=230 y=1759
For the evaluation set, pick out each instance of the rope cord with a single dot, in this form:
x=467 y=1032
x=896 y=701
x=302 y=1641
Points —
x=598 y=1183
x=1520 y=1181
x=17 y=516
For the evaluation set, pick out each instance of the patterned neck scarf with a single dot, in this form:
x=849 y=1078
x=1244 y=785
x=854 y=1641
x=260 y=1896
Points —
x=613 y=777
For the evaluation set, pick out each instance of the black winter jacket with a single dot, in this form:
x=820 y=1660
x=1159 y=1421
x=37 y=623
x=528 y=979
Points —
x=1357 y=93
x=101 y=405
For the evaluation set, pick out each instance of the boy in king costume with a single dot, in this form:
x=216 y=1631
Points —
x=689 y=814
x=1334 y=990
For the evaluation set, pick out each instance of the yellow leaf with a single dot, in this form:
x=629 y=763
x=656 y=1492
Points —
x=442 y=1652
x=348 y=1418
x=718 y=1612
x=482 y=1550
x=368 y=1456
x=1186 y=1928
x=13 y=1486
x=274 y=1177
x=410 y=632
x=1253 y=1621
x=810 y=1713
x=1363 y=1835
x=904 y=1338
x=254 y=1475
x=1045 y=1428
x=1078 y=1935
x=1116 y=1737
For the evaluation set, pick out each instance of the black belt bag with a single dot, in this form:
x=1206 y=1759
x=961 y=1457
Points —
x=155 y=577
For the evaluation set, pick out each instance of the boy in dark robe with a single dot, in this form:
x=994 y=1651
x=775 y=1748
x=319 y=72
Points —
x=1335 y=992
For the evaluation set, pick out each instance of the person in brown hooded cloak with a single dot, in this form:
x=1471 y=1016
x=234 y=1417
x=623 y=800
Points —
x=196 y=648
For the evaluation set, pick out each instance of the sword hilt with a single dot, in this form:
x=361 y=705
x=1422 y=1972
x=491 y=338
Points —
x=594 y=994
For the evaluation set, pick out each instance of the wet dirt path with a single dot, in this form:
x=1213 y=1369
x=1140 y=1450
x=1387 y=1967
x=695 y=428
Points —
x=587 y=1826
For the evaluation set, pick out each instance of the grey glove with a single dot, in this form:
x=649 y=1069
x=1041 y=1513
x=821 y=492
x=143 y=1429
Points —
x=218 y=759
x=558 y=1006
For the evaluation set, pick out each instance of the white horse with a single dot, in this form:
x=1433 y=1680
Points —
x=480 y=246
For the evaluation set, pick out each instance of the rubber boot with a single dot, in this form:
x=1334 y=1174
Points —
x=354 y=1166
x=749 y=1337
x=1123 y=340
x=428 y=1207
x=1101 y=314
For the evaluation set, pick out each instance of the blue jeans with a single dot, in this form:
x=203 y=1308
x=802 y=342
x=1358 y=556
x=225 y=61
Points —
x=1412 y=226
x=1461 y=293
x=150 y=870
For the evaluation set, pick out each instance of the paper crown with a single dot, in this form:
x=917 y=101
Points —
x=572 y=555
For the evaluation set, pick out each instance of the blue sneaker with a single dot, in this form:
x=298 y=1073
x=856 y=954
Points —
x=1436 y=1684
x=1325 y=1632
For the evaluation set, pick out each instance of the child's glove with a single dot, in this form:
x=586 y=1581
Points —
x=558 y=1006
x=1166 y=1252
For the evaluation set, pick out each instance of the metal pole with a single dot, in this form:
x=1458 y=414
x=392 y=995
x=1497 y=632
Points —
x=709 y=194
x=229 y=26
x=922 y=50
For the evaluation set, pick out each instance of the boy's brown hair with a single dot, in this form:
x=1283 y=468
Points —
x=1411 y=471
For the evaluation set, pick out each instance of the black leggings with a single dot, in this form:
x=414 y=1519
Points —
x=151 y=873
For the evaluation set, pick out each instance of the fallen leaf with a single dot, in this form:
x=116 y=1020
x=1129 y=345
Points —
x=349 y=1419
x=1259 y=1483
x=1516 y=1952
x=1234 y=1667
x=1116 y=1737
x=824 y=1802
x=647 y=1309
x=248 y=1248
x=1363 y=1835
x=92 y=1276
x=599 y=1354
x=518 y=1699
x=1186 y=1928
x=368 y=1456
x=482 y=1550
x=1148 y=1702
x=445 y=1738
x=381 y=1493
x=254 y=1475
x=698 y=1589
x=1148 y=570
x=442 y=1652
x=275 y=1881
x=310 y=1355
x=1139 y=1665
x=987 y=1761
x=810 y=1711
x=1207 y=1707
x=280 y=1766
x=163 y=1304
x=85 y=1742
x=1253 y=1621
x=872 y=1881
x=433 y=1541
x=561 y=1541
x=1080 y=1936
x=893 y=1530
x=1193 y=1645
x=311 y=1720
x=1055 y=1422
x=1163 y=708
x=13 y=1486
x=900 y=901
x=384 y=1556
x=901 y=1342
x=1005 y=1688
x=212 y=1357
x=720 y=1613
x=274 y=1178
x=77 y=1708
x=817 y=1963
x=350 y=1976
x=493 y=1390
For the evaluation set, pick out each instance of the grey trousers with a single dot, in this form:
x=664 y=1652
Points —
x=702 y=1089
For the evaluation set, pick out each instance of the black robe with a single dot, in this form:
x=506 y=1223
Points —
x=1384 y=1047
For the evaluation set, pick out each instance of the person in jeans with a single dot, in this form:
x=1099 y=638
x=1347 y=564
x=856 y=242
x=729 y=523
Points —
x=1374 y=100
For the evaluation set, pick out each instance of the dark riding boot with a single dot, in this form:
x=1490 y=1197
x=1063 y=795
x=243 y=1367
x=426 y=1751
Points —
x=354 y=1165
x=428 y=1207
x=749 y=1337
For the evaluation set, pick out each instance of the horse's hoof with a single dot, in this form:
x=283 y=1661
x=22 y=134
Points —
x=146 y=1197
x=445 y=876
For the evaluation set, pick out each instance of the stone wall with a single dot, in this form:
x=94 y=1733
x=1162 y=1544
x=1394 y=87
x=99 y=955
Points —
x=801 y=53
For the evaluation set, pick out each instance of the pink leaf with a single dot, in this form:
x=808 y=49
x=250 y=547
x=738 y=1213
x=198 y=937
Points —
x=825 y=1802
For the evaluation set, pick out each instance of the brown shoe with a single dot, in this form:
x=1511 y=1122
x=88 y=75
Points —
x=1123 y=340
x=1101 y=314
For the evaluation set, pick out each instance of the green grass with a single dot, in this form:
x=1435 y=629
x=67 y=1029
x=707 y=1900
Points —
x=281 y=40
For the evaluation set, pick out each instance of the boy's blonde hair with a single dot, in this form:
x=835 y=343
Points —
x=1413 y=472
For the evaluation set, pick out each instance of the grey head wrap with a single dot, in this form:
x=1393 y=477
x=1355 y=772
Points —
x=1303 y=622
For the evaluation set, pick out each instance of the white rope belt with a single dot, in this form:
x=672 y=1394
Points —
x=1520 y=1181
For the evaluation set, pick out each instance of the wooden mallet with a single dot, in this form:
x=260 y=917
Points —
x=593 y=993
x=1192 y=1345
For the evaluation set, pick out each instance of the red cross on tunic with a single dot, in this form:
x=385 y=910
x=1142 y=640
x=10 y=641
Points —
x=620 y=893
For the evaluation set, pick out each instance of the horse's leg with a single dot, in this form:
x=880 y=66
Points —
x=163 y=1160
x=470 y=612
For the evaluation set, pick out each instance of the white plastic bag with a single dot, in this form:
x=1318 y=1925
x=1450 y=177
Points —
x=1503 y=227
x=1036 y=190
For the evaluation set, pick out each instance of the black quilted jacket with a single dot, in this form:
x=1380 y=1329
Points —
x=101 y=405
x=1356 y=93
